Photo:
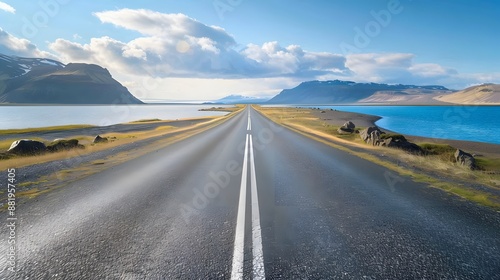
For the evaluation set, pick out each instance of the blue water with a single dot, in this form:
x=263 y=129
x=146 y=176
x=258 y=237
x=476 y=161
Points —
x=471 y=123
x=12 y=117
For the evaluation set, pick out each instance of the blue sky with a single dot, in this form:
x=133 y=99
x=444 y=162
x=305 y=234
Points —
x=207 y=49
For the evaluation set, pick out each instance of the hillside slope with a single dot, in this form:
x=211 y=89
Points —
x=486 y=94
x=44 y=81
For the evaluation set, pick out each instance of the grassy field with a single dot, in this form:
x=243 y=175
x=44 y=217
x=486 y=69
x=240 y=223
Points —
x=42 y=129
x=436 y=168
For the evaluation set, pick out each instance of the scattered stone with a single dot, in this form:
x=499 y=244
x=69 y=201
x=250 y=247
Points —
x=347 y=128
x=27 y=147
x=349 y=125
x=465 y=159
x=63 y=144
x=99 y=139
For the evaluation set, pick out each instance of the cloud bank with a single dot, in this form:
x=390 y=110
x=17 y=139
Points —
x=175 y=46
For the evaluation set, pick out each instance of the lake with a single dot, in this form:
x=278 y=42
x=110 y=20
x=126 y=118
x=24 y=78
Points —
x=12 y=117
x=470 y=123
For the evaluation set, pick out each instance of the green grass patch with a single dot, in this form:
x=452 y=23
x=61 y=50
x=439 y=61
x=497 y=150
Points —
x=43 y=129
x=443 y=152
x=488 y=164
x=437 y=149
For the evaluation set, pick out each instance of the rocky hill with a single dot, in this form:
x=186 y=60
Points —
x=486 y=94
x=345 y=92
x=45 y=81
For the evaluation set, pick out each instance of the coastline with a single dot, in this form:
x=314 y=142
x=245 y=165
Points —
x=338 y=118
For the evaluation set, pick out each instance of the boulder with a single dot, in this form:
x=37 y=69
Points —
x=403 y=144
x=27 y=147
x=63 y=144
x=347 y=128
x=99 y=139
x=375 y=138
x=349 y=125
x=366 y=133
x=465 y=159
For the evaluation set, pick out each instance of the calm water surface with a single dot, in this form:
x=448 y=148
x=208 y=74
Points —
x=470 y=123
x=39 y=116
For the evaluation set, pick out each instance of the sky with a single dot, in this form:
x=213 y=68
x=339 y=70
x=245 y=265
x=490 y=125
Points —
x=208 y=49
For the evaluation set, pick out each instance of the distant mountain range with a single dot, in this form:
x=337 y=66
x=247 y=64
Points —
x=46 y=81
x=239 y=99
x=347 y=92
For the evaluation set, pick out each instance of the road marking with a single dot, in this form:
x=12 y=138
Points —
x=239 y=240
x=258 y=255
x=258 y=271
x=249 y=126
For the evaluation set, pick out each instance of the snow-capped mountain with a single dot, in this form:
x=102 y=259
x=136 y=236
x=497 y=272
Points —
x=47 y=81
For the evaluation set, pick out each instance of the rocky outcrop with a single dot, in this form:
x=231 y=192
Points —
x=398 y=141
x=27 y=147
x=371 y=135
x=63 y=144
x=99 y=139
x=465 y=159
x=375 y=137
x=347 y=128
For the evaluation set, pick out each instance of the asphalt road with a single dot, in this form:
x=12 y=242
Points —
x=306 y=211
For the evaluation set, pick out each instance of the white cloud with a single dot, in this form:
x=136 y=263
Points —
x=174 y=45
x=175 y=56
x=374 y=67
x=431 y=70
x=7 y=8
x=397 y=68
x=20 y=47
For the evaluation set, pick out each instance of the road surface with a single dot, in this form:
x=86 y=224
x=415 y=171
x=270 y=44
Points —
x=249 y=200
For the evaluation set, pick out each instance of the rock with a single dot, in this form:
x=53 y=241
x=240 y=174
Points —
x=347 y=128
x=465 y=159
x=99 y=139
x=27 y=147
x=375 y=138
x=398 y=141
x=366 y=133
x=349 y=125
x=63 y=144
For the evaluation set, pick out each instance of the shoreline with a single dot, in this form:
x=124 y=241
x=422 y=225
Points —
x=338 y=118
x=437 y=169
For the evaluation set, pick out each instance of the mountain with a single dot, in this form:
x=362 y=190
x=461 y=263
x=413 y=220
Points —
x=486 y=94
x=240 y=99
x=338 y=92
x=46 y=81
